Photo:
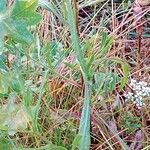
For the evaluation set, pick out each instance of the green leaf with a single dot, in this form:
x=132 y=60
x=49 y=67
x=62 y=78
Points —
x=16 y=116
x=34 y=115
x=104 y=82
x=3 y=85
x=90 y=61
x=2 y=37
x=14 y=23
x=10 y=107
x=46 y=147
x=104 y=37
x=11 y=81
x=13 y=116
x=106 y=43
x=76 y=142
x=17 y=121
x=17 y=30
x=23 y=6
x=16 y=85
x=25 y=10
x=3 y=128
x=2 y=62
x=5 y=144
x=58 y=148
x=124 y=69
x=27 y=98
x=2 y=5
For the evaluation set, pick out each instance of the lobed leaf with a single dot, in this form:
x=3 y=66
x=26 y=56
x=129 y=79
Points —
x=14 y=23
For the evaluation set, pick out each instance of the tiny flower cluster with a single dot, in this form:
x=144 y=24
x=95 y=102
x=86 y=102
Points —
x=140 y=90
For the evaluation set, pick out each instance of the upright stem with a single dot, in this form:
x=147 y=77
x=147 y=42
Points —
x=84 y=129
x=139 y=32
x=137 y=12
x=75 y=7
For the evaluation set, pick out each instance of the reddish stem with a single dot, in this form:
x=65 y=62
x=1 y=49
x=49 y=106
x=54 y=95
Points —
x=139 y=32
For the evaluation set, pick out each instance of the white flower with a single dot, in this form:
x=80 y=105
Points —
x=140 y=90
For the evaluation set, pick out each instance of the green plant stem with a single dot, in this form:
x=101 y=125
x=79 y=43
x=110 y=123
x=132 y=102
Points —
x=84 y=129
x=75 y=39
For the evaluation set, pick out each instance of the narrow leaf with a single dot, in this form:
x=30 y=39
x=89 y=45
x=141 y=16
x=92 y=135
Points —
x=124 y=68
x=76 y=142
